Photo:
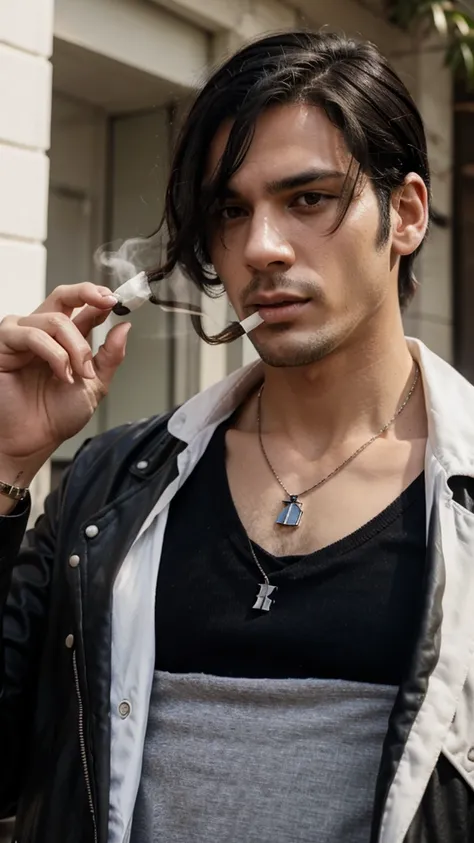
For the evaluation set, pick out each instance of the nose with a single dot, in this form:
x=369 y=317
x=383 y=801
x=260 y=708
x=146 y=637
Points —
x=267 y=247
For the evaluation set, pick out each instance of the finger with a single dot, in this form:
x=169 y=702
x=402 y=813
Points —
x=65 y=332
x=111 y=353
x=67 y=297
x=89 y=318
x=42 y=345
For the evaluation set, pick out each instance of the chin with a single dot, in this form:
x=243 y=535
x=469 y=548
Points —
x=287 y=352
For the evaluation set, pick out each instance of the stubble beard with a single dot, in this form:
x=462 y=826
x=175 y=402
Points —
x=281 y=352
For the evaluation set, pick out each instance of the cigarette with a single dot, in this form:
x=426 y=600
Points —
x=251 y=322
x=136 y=292
x=132 y=295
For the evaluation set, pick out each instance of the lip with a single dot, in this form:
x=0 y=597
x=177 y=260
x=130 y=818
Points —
x=270 y=299
x=284 y=312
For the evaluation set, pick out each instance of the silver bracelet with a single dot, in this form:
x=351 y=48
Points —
x=14 y=492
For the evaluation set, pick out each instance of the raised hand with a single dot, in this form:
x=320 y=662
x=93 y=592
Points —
x=50 y=384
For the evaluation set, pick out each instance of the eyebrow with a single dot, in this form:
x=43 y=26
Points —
x=292 y=182
x=300 y=179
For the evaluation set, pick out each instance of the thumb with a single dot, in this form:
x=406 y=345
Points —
x=111 y=353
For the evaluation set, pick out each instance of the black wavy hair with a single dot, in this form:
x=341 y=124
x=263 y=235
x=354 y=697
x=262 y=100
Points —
x=359 y=92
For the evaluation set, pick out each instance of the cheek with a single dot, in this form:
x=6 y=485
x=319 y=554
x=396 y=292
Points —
x=355 y=245
x=350 y=269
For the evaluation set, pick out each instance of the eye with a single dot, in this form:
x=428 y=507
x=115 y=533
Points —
x=230 y=212
x=311 y=199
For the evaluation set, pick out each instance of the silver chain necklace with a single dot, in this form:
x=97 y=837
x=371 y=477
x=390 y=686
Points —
x=289 y=517
x=264 y=600
x=292 y=513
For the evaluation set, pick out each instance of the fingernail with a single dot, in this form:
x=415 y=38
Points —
x=89 y=370
x=112 y=300
x=69 y=374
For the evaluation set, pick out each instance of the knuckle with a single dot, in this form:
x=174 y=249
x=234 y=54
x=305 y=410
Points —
x=87 y=288
x=31 y=333
x=9 y=320
x=58 y=320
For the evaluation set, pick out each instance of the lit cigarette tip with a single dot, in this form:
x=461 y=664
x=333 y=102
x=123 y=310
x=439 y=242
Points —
x=251 y=322
x=120 y=309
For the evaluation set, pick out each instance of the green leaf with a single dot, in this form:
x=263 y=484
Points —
x=460 y=23
x=468 y=57
x=454 y=26
x=439 y=18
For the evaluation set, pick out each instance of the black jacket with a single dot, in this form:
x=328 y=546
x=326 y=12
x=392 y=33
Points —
x=55 y=594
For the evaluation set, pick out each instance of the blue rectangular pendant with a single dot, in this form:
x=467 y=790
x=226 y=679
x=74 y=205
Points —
x=292 y=514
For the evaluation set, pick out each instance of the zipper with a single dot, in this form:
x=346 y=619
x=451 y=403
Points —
x=82 y=745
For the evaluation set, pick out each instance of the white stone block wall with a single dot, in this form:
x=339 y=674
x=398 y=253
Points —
x=26 y=37
x=26 y=28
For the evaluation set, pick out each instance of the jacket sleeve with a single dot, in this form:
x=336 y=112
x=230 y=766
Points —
x=26 y=560
x=27 y=569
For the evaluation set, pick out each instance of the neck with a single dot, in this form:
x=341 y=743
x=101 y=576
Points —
x=354 y=391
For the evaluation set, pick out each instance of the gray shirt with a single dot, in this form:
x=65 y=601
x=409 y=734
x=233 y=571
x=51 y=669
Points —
x=260 y=760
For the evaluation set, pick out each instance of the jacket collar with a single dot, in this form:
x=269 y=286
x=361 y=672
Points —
x=218 y=402
x=449 y=402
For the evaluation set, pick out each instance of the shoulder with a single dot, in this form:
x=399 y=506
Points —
x=124 y=443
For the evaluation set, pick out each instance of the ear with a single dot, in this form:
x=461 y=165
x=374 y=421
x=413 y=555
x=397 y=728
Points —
x=409 y=215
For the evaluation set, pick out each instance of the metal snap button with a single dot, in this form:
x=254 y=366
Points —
x=74 y=560
x=142 y=465
x=69 y=642
x=470 y=754
x=124 y=709
x=92 y=531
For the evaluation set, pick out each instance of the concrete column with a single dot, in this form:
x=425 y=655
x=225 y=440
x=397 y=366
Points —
x=430 y=316
x=213 y=358
x=26 y=36
x=433 y=303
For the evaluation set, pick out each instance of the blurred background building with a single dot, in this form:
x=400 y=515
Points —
x=91 y=93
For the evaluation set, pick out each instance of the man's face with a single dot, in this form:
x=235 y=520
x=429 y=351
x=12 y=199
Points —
x=270 y=242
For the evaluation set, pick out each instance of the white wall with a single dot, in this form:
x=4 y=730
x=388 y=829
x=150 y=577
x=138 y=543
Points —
x=140 y=155
x=76 y=208
x=25 y=103
x=136 y=158
x=137 y=34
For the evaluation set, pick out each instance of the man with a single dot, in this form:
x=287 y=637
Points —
x=252 y=620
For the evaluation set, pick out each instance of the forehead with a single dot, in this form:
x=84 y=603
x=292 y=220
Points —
x=287 y=139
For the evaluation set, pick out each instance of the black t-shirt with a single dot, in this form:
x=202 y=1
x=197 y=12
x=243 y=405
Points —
x=349 y=611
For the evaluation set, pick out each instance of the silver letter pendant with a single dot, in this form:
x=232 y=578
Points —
x=263 y=601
